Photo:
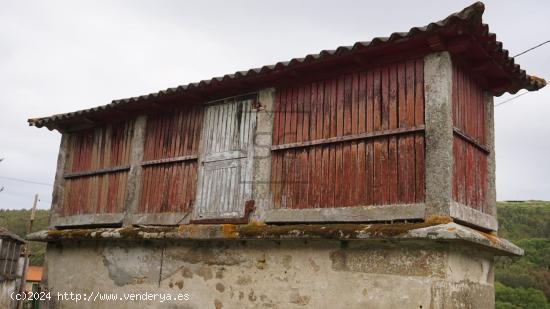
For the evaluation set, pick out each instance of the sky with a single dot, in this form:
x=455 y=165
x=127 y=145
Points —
x=62 y=56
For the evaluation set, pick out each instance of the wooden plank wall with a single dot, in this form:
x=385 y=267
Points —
x=91 y=151
x=169 y=176
x=351 y=140
x=470 y=160
x=10 y=251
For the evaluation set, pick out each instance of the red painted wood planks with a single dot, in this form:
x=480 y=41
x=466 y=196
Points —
x=470 y=162
x=383 y=170
x=96 y=149
x=170 y=187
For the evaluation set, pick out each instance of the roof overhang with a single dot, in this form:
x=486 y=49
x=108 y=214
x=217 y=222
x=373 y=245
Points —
x=463 y=34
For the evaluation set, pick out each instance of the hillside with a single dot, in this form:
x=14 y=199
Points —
x=520 y=282
x=17 y=221
x=524 y=282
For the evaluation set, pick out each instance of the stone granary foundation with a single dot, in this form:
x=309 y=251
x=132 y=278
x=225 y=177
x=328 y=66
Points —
x=362 y=177
x=428 y=265
x=278 y=274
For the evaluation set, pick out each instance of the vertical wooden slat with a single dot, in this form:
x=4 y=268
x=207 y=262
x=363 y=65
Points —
x=319 y=161
x=276 y=110
x=307 y=155
x=300 y=153
x=355 y=192
x=279 y=113
x=384 y=155
x=378 y=143
x=393 y=162
x=346 y=147
x=290 y=138
x=409 y=139
x=329 y=127
x=338 y=185
x=315 y=107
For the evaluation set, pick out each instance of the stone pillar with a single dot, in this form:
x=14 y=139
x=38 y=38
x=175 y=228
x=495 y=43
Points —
x=491 y=197
x=261 y=192
x=59 y=182
x=439 y=133
x=134 y=175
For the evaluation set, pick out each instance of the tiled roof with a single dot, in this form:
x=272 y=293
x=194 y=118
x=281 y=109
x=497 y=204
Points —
x=470 y=17
x=7 y=234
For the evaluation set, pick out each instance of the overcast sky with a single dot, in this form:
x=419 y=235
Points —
x=61 y=56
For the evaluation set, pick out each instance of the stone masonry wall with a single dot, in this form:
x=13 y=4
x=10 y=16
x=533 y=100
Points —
x=270 y=274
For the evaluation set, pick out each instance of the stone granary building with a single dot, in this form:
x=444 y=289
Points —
x=361 y=177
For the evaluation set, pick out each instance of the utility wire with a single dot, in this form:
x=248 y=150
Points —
x=530 y=49
x=511 y=99
x=27 y=181
x=517 y=55
x=40 y=200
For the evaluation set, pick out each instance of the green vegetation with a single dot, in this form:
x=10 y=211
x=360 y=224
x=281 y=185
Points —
x=17 y=221
x=524 y=220
x=520 y=282
x=508 y=298
x=524 y=282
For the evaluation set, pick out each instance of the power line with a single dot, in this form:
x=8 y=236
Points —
x=517 y=55
x=40 y=200
x=27 y=181
x=530 y=49
x=511 y=99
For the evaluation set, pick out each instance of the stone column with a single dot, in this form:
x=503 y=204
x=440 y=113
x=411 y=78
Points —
x=439 y=133
x=134 y=175
x=491 y=197
x=262 y=153
x=59 y=182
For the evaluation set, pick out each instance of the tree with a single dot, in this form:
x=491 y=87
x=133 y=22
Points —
x=509 y=298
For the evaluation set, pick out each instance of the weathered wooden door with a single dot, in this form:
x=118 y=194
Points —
x=226 y=168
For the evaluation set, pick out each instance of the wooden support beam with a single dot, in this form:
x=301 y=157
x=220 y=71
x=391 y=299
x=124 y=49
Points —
x=97 y=172
x=169 y=160
x=472 y=141
x=347 y=138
